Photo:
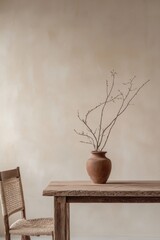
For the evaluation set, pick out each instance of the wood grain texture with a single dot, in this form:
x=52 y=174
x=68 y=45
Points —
x=67 y=221
x=115 y=199
x=87 y=192
x=9 y=174
x=60 y=218
x=110 y=189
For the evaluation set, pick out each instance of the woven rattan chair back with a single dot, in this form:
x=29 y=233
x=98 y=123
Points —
x=11 y=192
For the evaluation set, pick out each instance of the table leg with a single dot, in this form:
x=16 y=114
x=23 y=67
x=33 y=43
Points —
x=61 y=219
x=67 y=221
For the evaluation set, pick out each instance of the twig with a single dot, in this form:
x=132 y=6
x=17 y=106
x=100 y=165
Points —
x=112 y=123
x=113 y=73
x=98 y=139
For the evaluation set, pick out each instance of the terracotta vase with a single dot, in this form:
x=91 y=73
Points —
x=99 y=167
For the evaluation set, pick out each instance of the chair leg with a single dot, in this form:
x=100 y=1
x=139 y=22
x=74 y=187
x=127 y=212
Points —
x=7 y=236
x=25 y=237
x=52 y=236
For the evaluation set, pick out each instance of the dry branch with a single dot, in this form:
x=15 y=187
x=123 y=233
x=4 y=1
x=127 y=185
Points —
x=98 y=138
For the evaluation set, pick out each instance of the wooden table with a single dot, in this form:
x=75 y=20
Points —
x=86 y=192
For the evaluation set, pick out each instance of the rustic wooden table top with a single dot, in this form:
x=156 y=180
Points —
x=67 y=192
x=111 y=188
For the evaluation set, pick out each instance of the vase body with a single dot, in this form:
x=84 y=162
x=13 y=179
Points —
x=99 y=167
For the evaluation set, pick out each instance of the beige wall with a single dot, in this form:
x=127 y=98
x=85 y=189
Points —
x=54 y=58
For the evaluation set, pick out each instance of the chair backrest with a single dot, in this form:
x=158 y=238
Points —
x=11 y=192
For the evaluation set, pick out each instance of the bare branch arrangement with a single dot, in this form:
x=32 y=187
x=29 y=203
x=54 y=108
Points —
x=98 y=138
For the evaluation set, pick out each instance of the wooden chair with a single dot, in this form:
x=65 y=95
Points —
x=12 y=201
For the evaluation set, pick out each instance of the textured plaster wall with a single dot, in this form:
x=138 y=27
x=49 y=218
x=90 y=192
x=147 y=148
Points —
x=54 y=59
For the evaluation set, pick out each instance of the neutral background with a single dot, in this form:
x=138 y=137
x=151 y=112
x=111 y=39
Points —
x=54 y=59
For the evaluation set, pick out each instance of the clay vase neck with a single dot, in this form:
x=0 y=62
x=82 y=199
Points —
x=99 y=154
x=98 y=167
